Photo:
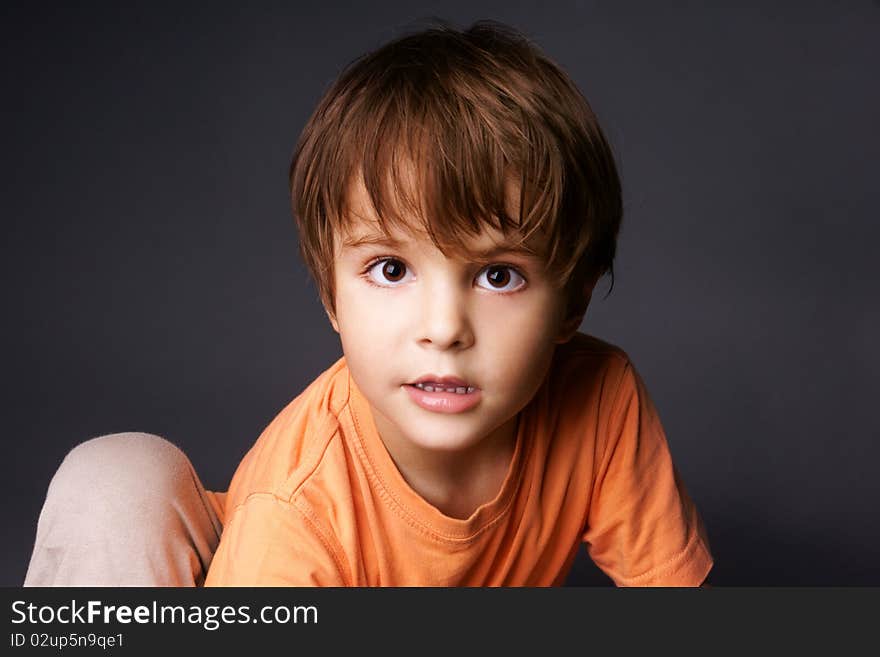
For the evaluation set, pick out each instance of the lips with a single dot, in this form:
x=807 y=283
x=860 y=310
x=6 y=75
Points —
x=444 y=381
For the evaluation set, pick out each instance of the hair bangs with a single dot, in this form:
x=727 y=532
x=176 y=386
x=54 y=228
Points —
x=449 y=169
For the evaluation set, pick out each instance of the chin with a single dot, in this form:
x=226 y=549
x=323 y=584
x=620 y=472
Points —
x=442 y=442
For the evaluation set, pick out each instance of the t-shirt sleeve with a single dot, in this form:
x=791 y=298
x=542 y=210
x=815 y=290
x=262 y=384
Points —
x=643 y=529
x=269 y=541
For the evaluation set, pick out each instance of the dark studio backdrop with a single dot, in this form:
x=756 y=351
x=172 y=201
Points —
x=152 y=281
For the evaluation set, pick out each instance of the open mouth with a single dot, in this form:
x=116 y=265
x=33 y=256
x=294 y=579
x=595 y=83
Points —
x=447 y=394
x=436 y=387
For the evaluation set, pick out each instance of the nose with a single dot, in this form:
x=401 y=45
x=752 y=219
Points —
x=445 y=318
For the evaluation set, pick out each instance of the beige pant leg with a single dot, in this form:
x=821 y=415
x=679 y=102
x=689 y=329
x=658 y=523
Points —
x=125 y=509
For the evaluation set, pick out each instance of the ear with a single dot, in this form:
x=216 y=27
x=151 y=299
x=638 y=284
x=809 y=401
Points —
x=575 y=314
x=332 y=319
x=330 y=314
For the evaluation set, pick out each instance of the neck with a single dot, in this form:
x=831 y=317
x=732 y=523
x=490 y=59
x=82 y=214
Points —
x=455 y=482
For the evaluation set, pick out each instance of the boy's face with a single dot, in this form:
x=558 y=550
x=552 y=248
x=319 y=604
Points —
x=405 y=312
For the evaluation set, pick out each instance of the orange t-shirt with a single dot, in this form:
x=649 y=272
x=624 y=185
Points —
x=318 y=500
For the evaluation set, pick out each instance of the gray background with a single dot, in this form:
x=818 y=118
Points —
x=152 y=283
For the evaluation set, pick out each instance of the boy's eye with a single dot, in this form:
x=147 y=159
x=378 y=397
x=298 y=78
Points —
x=500 y=278
x=387 y=270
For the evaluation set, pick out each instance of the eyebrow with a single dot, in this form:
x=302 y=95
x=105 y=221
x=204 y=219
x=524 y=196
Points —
x=370 y=240
x=385 y=240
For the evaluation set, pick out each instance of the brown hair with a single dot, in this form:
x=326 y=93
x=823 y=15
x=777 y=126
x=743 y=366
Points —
x=470 y=111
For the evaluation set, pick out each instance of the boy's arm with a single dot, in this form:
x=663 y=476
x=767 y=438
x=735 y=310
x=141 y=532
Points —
x=643 y=528
x=270 y=542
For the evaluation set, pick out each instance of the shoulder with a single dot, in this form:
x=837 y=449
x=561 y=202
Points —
x=302 y=436
x=591 y=387
x=588 y=365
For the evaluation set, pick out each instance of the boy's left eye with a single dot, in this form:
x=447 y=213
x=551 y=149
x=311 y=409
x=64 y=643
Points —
x=500 y=278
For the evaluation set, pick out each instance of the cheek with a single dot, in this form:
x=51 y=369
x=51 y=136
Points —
x=366 y=330
x=522 y=343
x=528 y=325
x=365 y=313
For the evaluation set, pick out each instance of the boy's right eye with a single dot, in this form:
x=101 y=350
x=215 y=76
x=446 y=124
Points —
x=387 y=272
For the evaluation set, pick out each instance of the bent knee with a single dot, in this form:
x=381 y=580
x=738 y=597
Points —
x=127 y=467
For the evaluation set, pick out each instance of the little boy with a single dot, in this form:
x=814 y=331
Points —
x=456 y=203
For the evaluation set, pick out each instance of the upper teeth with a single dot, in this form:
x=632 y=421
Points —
x=430 y=387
